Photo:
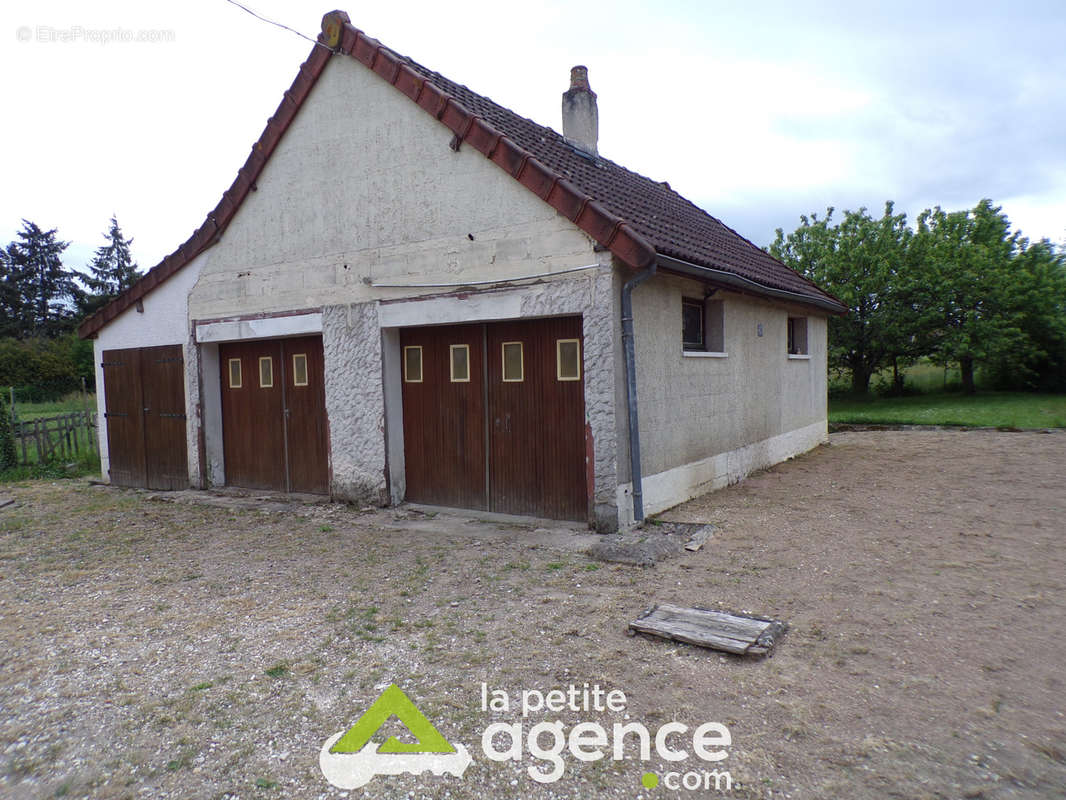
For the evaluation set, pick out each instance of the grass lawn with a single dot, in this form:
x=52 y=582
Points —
x=985 y=409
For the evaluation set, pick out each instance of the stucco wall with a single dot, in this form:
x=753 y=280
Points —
x=364 y=186
x=164 y=321
x=755 y=404
x=361 y=350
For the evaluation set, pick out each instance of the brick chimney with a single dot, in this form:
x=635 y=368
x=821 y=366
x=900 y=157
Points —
x=581 y=119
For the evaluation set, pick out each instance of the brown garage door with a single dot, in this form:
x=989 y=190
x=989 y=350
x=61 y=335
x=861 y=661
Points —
x=274 y=415
x=494 y=417
x=144 y=390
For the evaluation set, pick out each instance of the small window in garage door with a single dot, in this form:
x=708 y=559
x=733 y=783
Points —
x=568 y=359
x=460 y=367
x=513 y=366
x=299 y=369
x=412 y=364
x=235 y=373
x=266 y=372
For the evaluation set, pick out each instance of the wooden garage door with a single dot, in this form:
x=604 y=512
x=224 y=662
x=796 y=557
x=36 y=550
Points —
x=144 y=390
x=274 y=415
x=494 y=417
x=537 y=419
x=444 y=416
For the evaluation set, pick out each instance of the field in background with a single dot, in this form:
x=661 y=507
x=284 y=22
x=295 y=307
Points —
x=984 y=410
x=75 y=401
x=921 y=378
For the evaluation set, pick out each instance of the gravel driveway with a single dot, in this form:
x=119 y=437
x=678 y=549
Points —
x=177 y=650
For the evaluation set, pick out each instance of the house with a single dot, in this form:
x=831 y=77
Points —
x=412 y=293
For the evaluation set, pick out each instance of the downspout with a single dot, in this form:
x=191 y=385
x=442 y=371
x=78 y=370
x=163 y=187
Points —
x=631 y=388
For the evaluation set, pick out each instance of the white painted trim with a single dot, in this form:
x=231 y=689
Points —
x=702 y=354
x=449 y=310
x=392 y=379
x=798 y=357
x=265 y=328
x=666 y=489
x=211 y=388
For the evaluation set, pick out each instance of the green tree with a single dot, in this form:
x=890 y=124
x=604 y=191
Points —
x=962 y=287
x=8 y=454
x=1037 y=302
x=860 y=261
x=47 y=289
x=46 y=369
x=11 y=313
x=111 y=272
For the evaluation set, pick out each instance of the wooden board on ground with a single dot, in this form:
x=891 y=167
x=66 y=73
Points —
x=6 y=500
x=734 y=633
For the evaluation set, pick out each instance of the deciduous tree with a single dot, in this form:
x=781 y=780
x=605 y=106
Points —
x=861 y=261
x=962 y=289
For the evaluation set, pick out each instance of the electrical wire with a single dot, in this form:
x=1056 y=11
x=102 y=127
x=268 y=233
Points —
x=278 y=24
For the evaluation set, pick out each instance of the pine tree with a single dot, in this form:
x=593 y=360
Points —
x=46 y=288
x=10 y=297
x=111 y=272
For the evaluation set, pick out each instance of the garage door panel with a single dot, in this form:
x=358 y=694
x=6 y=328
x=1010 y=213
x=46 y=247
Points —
x=536 y=431
x=305 y=424
x=166 y=455
x=253 y=441
x=125 y=417
x=444 y=431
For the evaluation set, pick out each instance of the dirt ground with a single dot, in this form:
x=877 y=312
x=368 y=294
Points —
x=172 y=650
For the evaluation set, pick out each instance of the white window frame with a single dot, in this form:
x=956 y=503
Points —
x=295 y=372
x=240 y=374
x=270 y=363
x=451 y=362
x=421 y=364
x=559 y=359
x=521 y=362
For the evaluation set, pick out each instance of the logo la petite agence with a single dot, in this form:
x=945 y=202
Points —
x=350 y=759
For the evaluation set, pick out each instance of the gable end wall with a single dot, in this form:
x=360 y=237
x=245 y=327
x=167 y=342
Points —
x=364 y=186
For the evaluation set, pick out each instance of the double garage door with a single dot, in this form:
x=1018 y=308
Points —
x=144 y=390
x=274 y=430
x=494 y=417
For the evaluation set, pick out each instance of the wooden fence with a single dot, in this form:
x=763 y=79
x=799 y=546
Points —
x=54 y=437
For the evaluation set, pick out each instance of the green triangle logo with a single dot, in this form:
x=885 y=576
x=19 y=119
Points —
x=393 y=703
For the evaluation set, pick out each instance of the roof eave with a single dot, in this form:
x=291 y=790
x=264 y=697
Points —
x=827 y=303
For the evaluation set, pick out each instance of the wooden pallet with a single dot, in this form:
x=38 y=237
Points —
x=742 y=634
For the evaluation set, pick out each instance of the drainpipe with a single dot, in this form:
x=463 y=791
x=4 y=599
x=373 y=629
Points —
x=631 y=388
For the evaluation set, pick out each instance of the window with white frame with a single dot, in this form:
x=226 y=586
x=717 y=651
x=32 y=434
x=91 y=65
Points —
x=797 y=336
x=460 y=363
x=702 y=325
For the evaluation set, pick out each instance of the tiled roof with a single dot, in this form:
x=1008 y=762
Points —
x=667 y=221
x=635 y=217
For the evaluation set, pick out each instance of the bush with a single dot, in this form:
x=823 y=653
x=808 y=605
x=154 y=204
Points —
x=45 y=370
x=8 y=455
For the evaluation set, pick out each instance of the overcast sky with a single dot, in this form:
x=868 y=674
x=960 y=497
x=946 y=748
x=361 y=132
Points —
x=756 y=111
